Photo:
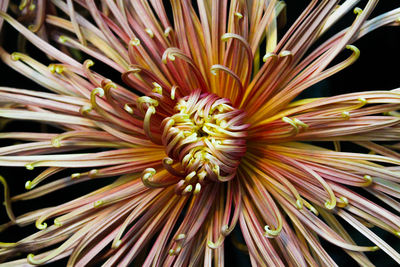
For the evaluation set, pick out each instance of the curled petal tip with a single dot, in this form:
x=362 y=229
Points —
x=225 y=37
x=292 y=123
x=75 y=175
x=329 y=205
x=29 y=166
x=168 y=160
x=374 y=248
x=271 y=233
x=362 y=100
x=300 y=123
x=355 y=50
x=31 y=260
x=225 y=230
x=54 y=68
x=173 y=90
x=180 y=237
x=190 y=176
x=134 y=42
x=357 y=11
x=98 y=91
x=149 y=32
x=32 y=27
x=22 y=5
x=157 y=88
x=368 y=180
x=40 y=225
x=213 y=245
x=55 y=142
x=128 y=108
x=151 y=171
x=63 y=39
x=167 y=31
x=88 y=63
x=299 y=204
x=116 y=244
x=285 y=53
x=93 y=173
x=108 y=84
x=345 y=115
x=28 y=185
x=267 y=56
x=188 y=189
x=16 y=56
x=197 y=189
x=57 y=222
x=238 y=15
x=174 y=252
x=98 y=203
x=343 y=202
x=171 y=57
x=313 y=210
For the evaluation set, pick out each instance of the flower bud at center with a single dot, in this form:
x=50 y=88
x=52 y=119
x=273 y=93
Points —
x=207 y=137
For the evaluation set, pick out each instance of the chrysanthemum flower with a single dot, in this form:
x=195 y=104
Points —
x=204 y=133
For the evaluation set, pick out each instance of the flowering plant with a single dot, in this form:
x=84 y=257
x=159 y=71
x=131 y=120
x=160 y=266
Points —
x=204 y=132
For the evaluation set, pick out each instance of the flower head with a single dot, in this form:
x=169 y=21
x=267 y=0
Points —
x=204 y=132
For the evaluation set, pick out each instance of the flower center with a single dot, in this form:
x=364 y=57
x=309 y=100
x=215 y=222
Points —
x=206 y=137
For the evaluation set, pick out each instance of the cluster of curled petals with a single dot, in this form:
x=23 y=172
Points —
x=207 y=136
x=203 y=134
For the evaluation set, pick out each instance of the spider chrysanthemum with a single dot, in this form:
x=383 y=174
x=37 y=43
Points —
x=204 y=133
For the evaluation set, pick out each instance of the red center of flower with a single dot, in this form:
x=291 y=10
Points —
x=207 y=136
